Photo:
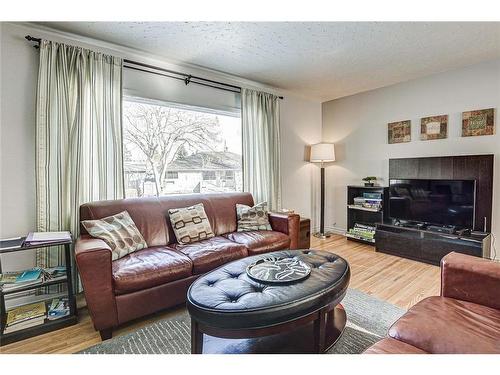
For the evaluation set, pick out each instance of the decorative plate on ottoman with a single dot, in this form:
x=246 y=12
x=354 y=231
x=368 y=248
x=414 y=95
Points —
x=278 y=270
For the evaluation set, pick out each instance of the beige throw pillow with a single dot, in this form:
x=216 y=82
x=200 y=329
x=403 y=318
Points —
x=252 y=218
x=190 y=224
x=119 y=232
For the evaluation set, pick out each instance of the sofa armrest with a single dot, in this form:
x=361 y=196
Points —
x=93 y=258
x=471 y=279
x=288 y=224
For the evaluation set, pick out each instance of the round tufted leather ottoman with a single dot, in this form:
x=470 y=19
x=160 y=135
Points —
x=226 y=303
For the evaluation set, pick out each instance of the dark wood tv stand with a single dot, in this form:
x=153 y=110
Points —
x=428 y=246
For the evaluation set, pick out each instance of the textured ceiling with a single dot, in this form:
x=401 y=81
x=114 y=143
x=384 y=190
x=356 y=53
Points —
x=323 y=60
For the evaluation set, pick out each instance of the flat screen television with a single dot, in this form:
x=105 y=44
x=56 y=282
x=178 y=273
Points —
x=438 y=202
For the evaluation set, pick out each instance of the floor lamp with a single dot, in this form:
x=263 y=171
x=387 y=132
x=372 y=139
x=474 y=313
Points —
x=322 y=153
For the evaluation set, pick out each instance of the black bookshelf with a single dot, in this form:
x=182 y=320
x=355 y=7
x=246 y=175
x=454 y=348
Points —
x=362 y=215
x=48 y=325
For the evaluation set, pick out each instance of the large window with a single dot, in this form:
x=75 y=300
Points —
x=170 y=149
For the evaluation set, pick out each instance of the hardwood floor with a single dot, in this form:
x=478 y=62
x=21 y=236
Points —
x=402 y=282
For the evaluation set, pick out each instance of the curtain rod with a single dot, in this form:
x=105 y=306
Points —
x=186 y=78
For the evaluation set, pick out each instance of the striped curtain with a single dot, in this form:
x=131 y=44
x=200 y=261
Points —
x=78 y=137
x=261 y=147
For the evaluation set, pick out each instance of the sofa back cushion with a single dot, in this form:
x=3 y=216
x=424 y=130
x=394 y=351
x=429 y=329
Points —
x=147 y=214
x=224 y=210
x=150 y=215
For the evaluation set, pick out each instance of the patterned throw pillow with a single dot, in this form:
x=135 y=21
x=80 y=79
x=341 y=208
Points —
x=119 y=232
x=252 y=218
x=190 y=224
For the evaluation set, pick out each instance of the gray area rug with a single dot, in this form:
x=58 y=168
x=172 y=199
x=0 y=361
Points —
x=368 y=320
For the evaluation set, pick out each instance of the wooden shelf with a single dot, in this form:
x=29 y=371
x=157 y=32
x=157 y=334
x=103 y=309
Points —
x=47 y=326
x=25 y=247
x=360 y=208
x=34 y=286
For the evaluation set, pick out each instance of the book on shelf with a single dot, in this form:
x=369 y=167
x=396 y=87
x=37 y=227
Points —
x=362 y=230
x=350 y=235
x=372 y=195
x=9 y=277
x=361 y=235
x=25 y=316
x=365 y=208
x=364 y=199
x=364 y=227
x=59 y=308
x=29 y=275
x=54 y=273
x=42 y=238
x=371 y=203
x=27 y=324
x=11 y=243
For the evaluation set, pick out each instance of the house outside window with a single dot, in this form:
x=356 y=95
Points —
x=172 y=175
x=208 y=175
x=172 y=149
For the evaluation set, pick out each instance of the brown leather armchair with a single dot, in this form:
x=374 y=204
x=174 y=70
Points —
x=464 y=319
x=158 y=277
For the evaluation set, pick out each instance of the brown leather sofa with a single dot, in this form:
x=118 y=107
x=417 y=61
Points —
x=465 y=319
x=158 y=277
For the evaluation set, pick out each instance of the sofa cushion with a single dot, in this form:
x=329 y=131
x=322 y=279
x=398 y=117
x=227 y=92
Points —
x=211 y=253
x=119 y=232
x=252 y=218
x=260 y=241
x=391 y=346
x=148 y=268
x=447 y=325
x=190 y=224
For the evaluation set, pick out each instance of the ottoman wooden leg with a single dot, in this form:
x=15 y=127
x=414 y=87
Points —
x=196 y=338
x=336 y=320
x=319 y=332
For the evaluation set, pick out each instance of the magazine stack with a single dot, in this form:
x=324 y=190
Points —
x=12 y=281
x=363 y=232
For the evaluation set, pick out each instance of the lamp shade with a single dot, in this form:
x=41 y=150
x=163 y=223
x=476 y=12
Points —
x=322 y=152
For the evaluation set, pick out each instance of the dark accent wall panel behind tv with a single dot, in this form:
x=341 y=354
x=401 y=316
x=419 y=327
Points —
x=477 y=167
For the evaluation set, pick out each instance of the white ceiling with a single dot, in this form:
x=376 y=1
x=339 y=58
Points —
x=323 y=60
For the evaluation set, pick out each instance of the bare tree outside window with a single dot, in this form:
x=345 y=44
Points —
x=169 y=150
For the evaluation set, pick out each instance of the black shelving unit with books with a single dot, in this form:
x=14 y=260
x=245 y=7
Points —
x=40 y=292
x=366 y=206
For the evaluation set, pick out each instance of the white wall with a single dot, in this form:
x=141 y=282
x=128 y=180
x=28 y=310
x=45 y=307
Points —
x=18 y=75
x=358 y=126
x=300 y=122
